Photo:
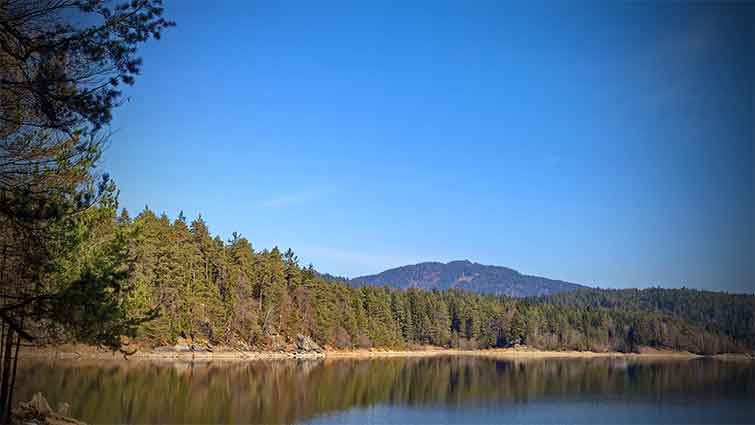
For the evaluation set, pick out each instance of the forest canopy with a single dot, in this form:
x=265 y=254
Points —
x=210 y=291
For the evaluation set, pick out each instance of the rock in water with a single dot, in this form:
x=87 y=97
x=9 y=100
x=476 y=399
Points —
x=37 y=411
x=39 y=405
x=63 y=408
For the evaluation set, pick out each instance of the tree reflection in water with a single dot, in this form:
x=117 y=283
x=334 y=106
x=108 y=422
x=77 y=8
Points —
x=287 y=391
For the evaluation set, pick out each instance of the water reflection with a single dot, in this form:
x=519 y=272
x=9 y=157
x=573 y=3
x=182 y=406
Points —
x=289 y=391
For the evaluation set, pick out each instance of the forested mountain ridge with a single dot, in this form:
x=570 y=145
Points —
x=208 y=290
x=731 y=314
x=466 y=275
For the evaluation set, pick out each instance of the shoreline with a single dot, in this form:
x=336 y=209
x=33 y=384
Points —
x=92 y=353
x=509 y=353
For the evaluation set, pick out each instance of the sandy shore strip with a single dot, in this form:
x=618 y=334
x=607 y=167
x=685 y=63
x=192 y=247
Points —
x=74 y=352
x=93 y=353
x=509 y=353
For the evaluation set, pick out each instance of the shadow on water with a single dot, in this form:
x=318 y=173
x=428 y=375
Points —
x=289 y=391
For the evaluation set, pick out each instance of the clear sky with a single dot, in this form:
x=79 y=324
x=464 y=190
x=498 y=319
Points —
x=608 y=145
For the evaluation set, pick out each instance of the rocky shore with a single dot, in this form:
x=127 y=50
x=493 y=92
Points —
x=305 y=348
x=302 y=347
x=37 y=411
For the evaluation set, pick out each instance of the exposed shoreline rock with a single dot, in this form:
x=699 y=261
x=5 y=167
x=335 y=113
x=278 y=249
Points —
x=304 y=348
x=306 y=344
x=37 y=411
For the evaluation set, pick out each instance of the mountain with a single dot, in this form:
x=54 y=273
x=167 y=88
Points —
x=467 y=275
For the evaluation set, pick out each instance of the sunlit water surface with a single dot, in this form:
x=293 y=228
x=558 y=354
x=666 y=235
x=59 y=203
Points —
x=434 y=390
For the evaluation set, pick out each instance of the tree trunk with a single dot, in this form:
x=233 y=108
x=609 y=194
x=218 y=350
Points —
x=14 y=369
x=5 y=383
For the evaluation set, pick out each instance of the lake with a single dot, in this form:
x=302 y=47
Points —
x=431 y=390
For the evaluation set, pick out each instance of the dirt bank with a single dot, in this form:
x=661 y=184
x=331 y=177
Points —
x=74 y=352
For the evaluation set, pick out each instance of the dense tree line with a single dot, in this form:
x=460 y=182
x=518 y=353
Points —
x=210 y=291
x=717 y=312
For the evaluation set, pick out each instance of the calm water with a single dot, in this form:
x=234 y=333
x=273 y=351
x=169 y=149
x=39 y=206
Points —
x=416 y=390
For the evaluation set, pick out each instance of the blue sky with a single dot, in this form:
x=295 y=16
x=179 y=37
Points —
x=608 y=145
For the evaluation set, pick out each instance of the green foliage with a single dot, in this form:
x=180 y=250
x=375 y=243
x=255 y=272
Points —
x=61 y=62
x=64 y=264
x=716 y=313
x=227 y=293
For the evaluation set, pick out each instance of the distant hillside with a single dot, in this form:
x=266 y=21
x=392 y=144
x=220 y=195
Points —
x=729 y=314
x=466 y=275
x=331 y=278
